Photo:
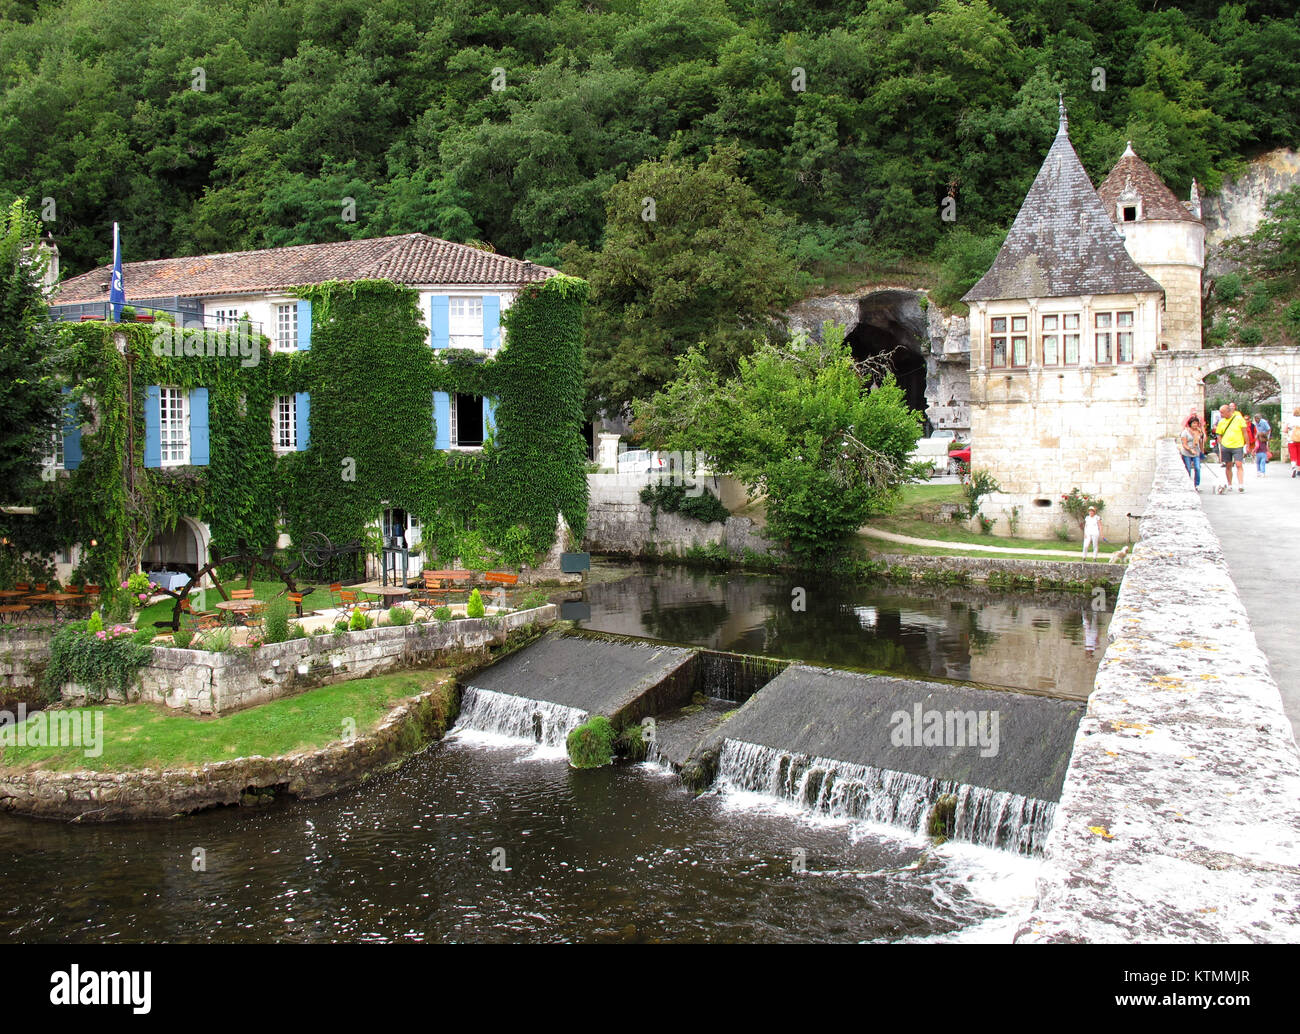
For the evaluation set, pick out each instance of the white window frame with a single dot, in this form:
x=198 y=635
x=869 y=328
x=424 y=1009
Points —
x=465 y=321
x=279 y=426
x=286 y=330
x=454 y=432
x=225 y=317
x=55 y=458
x=173 y=427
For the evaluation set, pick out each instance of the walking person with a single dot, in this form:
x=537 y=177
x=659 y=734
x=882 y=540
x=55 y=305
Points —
x=1091 y=533
x=1262 y=430
x=1191 y=446
x=1291 y=434
x=1231 y=430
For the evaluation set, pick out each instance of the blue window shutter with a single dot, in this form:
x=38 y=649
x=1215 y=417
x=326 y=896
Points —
x=442 y=420
x=199 y=427
x=304 y=325
x=489 y=417
x=439 y=321
x=152 y=430
x=71 y=434
x=302 y=403
x=491 y=324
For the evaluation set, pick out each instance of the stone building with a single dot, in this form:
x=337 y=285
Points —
x=1088 y=287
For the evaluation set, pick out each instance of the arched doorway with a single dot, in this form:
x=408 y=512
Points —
x=180 y=549
x=1253 y=389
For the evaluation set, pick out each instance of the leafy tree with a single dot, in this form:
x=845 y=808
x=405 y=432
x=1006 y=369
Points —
x=1278 y=235
x=799 y=422
x=29 y=396
x=691 y=256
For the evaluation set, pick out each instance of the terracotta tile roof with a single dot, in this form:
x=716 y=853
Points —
x=1063 y=241
x=1134 y=179
x=412 y=259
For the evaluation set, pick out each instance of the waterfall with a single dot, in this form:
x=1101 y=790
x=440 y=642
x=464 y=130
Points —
x=837 y=789
x=501 y=714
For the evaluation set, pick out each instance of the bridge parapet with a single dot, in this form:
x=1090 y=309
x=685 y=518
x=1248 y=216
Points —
x=1180 y=815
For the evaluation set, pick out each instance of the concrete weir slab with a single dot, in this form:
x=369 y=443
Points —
x=873 y=720
x=624 y=681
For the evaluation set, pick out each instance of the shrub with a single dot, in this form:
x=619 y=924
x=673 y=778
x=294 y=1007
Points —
x=400 y=616
x=96 y=623
x=443 y=614
x=1250 y=336
x=217 y=641
x=474 y=608
x=591 y=744
x=1292 y=316
x=98 y=661
x=1258 y=303
x=1228 y=287
x=535 y=597
x=1062 y=533
x=1076 y=504
x=633 y=742
x=298 y=631
x=360 y=621
x=275 y=620
x=986 y=524
x=980 y=484
x=182 y=637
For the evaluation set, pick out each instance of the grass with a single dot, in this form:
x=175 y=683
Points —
x=162 y=611
x=148 y=736
x=878 y=547
x=918 y=501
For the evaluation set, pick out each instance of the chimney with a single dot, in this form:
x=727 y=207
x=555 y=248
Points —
x=51 y=252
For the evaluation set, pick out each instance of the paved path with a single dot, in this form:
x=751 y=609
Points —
x=890 y=536
x=1256 y=529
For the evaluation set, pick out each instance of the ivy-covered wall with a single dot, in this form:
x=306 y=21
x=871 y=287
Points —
x=370 y=375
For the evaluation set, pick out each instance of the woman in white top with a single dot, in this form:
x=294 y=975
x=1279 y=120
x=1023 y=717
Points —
x=1091 y=533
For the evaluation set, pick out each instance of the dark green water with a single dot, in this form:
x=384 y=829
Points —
x=1039 y=643
x=617 y=854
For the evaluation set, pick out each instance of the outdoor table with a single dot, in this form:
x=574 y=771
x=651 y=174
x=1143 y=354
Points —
x=11 y=610
x=238 y=609
x=13 y=594
x=61 y=599
x=392 y=594
x=40 y=599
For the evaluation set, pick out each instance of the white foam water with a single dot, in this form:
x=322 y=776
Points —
x=827 y=788
x=494 y=719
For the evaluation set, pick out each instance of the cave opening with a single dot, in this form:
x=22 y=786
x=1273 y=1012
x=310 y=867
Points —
x=892 y=325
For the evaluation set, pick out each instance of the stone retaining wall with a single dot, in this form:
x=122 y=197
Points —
x=218 y=683
x=166 y=793
x=1180 y=816
x=618 y=522
x=979 y=568
x=22 y=657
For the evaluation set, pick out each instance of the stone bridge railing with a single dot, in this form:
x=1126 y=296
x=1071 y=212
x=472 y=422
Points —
x=1180 y=816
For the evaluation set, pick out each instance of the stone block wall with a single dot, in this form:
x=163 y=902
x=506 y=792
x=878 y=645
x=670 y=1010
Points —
x=618 y=522
x=218 y=683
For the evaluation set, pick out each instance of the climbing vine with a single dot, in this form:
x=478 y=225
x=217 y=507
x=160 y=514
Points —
x=371 y=376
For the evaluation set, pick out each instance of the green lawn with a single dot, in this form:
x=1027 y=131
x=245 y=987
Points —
x=877 y=547
x=909 y=518
x=318 y=600
x=147 y=736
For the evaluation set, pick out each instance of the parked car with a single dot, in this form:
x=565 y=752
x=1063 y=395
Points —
x=641 y=461
x=962 y=454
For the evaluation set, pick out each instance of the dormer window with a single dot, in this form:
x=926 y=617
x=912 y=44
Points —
x=1128 y=214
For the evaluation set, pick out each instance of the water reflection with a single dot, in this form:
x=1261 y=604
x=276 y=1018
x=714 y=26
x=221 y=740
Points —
x=1040 y=643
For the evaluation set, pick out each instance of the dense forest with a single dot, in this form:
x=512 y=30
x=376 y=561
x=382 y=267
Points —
x=841 y=127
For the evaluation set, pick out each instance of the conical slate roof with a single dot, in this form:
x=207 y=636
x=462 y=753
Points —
x=1063 y=241
x=1133 y=179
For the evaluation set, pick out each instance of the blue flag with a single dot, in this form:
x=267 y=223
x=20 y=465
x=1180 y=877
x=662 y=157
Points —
x=116 y=292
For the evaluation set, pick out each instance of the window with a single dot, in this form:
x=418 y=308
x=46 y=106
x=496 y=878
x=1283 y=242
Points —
x=998 y=341
x=465 y=322
x=1124 y=337
x=286 y=327
x=54 y=458
x=1051 y=341
x=1070 y=342
x=1130 y=214
x=225 y=317
x=467 y=420
x=284 y=419
x=173 y=427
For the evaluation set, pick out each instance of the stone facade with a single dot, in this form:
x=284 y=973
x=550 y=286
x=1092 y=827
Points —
x=1180 y=815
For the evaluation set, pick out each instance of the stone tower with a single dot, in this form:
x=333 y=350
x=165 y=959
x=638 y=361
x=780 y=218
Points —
x=1165 y=237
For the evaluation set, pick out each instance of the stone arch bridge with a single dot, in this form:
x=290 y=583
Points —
x=1179 y=377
